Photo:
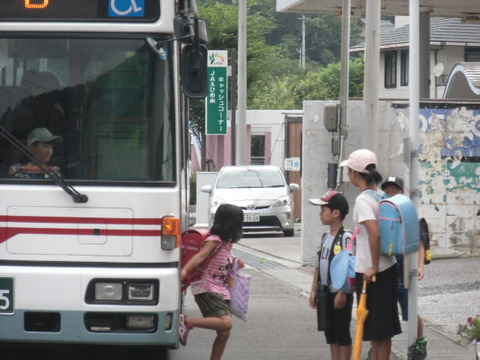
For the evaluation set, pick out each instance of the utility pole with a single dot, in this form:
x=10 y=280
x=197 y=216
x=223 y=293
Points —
x=372 y=64
x=242 y=84
x=302 y=50
x=233 y=107
x=411 y=147
x=344 y=81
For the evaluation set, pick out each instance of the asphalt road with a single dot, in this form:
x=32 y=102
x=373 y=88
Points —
x=281 y=325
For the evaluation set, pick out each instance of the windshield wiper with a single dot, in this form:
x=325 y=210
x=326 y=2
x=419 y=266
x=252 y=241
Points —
x=57 y=179
x=259 y=177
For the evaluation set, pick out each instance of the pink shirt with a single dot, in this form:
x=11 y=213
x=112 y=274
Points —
x=215 y=277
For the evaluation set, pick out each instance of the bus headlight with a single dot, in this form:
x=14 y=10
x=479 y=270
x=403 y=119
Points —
x=140 y=292
x=123 y=291
x=108 y=291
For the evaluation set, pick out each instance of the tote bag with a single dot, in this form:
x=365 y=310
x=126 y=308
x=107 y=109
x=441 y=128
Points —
x=239 y=292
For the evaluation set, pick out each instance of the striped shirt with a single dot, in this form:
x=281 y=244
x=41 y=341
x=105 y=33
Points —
x=215 y=277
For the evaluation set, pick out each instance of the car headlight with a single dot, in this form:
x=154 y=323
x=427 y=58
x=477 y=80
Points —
x=283 y=201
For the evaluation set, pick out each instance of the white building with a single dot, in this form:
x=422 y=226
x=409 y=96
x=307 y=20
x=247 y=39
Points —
x=451 y=42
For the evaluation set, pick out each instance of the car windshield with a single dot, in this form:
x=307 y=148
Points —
x=250 y=178
x=108 y=100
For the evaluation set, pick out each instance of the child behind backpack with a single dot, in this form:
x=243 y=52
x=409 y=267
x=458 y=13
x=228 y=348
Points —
x=393 y=186
x=338 y=306
x=211 y=291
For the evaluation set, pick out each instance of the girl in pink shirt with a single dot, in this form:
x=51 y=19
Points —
x=211 y=291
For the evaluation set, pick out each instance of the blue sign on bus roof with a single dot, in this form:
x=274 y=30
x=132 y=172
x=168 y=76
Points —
x=126 y=8
x=85 y=10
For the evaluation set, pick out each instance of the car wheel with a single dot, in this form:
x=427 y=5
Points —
x=288 y=233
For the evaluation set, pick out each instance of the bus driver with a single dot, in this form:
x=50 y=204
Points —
x=40 y=143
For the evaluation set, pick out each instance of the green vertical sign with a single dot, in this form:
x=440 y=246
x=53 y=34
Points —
x=217 y=99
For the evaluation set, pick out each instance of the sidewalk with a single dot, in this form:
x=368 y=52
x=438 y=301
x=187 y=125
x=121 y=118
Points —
x=280 y=257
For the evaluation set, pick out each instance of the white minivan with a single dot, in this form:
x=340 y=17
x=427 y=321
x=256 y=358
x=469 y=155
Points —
x=262 y=193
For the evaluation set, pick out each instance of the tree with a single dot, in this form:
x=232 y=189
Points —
x=274 y=43
x=289 y=92
x=222 y=18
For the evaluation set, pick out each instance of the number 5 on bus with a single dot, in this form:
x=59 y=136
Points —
x=6 y=296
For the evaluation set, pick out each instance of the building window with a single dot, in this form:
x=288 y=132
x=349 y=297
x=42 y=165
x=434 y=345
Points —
x=404 y=68
x=390 y=69
x=258 y=150
x=472 y=54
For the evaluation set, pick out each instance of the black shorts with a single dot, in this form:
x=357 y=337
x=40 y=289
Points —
x=382 y=320
x=340 y=320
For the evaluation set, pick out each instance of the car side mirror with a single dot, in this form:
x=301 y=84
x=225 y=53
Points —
x=294 y=187
x=206 y=189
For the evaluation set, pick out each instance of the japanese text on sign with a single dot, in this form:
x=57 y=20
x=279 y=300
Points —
x=217 y=99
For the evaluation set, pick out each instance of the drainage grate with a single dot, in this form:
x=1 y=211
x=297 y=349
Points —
x=257 y=261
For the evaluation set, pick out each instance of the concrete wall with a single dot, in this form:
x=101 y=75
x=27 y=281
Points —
x=449 y=169
x=450 y=173
x=316 y=156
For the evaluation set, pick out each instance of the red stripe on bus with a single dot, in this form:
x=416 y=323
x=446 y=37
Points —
x=75 y=220
x=7 y=233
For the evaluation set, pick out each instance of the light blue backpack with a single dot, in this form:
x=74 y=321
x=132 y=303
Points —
x=398 y=224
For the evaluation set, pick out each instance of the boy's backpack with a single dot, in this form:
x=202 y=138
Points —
x=398 y=223
x=192 y=241
x=425 y=239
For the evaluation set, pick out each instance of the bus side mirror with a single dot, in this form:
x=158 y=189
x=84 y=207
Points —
x=184 y=30
x=193 y=70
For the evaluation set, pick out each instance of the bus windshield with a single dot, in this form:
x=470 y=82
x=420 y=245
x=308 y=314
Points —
x=106 y=105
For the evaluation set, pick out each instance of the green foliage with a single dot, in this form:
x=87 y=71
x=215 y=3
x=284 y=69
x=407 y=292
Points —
x=289 y=91
x=197 y=116
x=222 y=22
x=222 y=18
x=274 y=78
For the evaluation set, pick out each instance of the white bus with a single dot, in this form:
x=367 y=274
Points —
x=89 y=238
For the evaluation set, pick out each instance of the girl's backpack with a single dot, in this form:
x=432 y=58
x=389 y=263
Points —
x=398 y=223
x=192 y=242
